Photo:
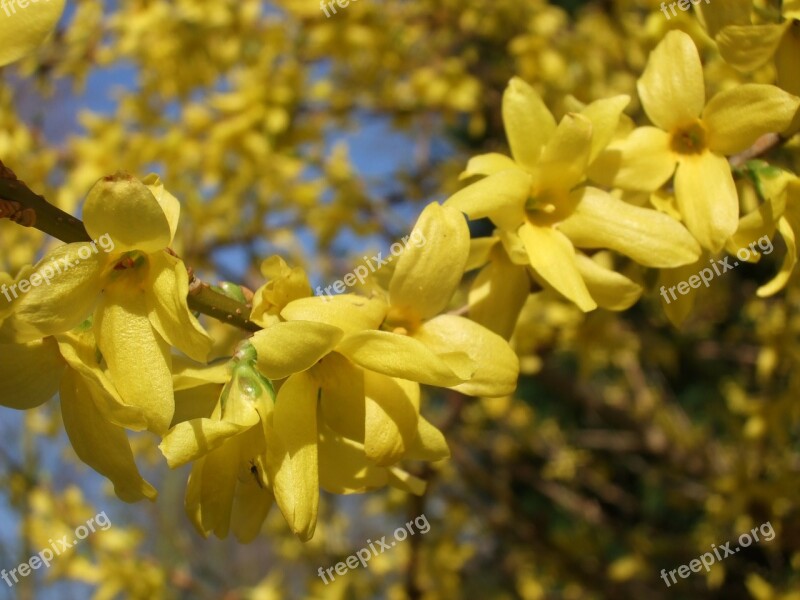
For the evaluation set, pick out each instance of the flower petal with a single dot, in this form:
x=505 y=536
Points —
x=642 y=162
x=498 y=294
x=63 y=303
x=497 y=364
x=609 y=289
x=736 y=118
x=392 y=415
x=123 y=207
x=344 y=467
x=553 y=256
x=427 y=276
x=348 y=312
x=649 y=237
x=564 y=159
x=292 y=454
x=168 y=287
x=342 y=401
x=672 y=89
x=786 y=58
x=777 y=283
x=138 y=359
x=293 y=346
x=100 y=444
x=487 y=164
x=430 y=443
x=31 y=373
x=406 y=358
x=500 y=196
x=528 y=122
x=24 y=30
x=604 y=115
x=169 y=203
x=707 y=198
x=747 y=47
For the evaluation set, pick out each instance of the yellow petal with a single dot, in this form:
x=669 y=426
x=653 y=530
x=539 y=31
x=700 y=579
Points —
x=678 y=308
x=780 y=280
x=344 y=467
x=717 y=15
x=553 y=256
x=427 y=276
x=501 y=197
x=736 y=118
x=407 y=482
x=342 y=399
x=498 y=294
x=24 y=29
x=672 y=89
x=528 y=122
x=98 y=443
x=30 y=373
x=169 y=203
x=138 y=359
x=196 y=402
x=429 y=445
x=479 y=252
x=292 y=454
x=565 y=157
x=68 y=300
x=609 y=289
x=392 y=414
x=123 y=207
x=497 y=364
x=348 y=312
x=487 y=164
x=707 y=198
x=642 y=162
x=605 y=116
x=190 y=440
x=786 y=58
x=168 y=286
x=293 y=346
x=747 y=47
x=406 y=358
x=250 y=507
x=187 y=374
x=80 y=351
x=649 y=237
x=216 y=488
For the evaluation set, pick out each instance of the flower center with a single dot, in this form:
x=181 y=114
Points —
x=689 y=139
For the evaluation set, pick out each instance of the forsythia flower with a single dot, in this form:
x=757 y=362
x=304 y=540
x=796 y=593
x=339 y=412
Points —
x=136 y=291
x=538 y=197
x=692 y=138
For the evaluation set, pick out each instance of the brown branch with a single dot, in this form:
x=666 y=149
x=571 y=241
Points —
x=761 y=146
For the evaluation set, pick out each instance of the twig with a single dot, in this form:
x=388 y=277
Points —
x=761 y=146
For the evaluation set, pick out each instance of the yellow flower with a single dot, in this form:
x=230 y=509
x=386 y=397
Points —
x=695 y=137
x=136 y=291
x=94 y=415
x=538 y=202
x=23 y=29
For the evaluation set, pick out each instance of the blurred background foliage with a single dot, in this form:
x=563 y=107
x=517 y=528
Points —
x=630 y=445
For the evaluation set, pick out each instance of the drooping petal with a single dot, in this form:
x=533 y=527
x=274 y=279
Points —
x=672 y=88
x=677 y=306
x=167 y=288
x=190 y=440
x=500 y=196
x=348 y=312
x=553 y=256
x=479 y=252
x=138 y=359
x=251 y=505
x=786 y=58
x=498 y=294
x=642 y=162
x=717 y=15
x=604 y=115
x=407 y=482
x=169 y=203
x=124 y=208
x=69 y=281
x=564 y=159
x=293 y=346
x=197 y=402
x=392 y=415
x=430 y=443
x=30 y=373
x=344 y=467
x=707 y=198
x=528 y=122
x=781 y=278
x=23 y=30
x=217 y=487
x=187 y=374
x=497 y=364
x=736 y=118
x=292 y=454
x=406 y=358
x=427 y=276
x=100 y=444
x=610 y=289
x=342 y=405
x=649 y=237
